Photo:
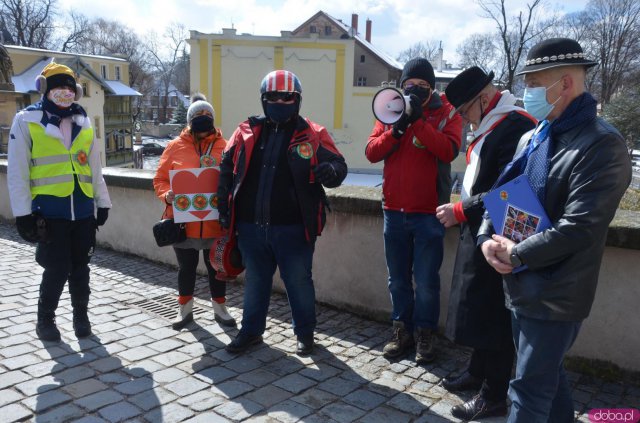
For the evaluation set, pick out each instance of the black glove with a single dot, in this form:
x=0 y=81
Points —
x=103 y=215
x=325 y=173
x=400 y=127
x=416 y=108
x=27 y=228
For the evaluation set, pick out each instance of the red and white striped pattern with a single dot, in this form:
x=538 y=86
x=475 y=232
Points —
x=282 y=81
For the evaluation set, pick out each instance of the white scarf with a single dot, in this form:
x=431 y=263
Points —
x=505 y=105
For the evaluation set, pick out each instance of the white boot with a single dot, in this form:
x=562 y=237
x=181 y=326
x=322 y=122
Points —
x=185 y=315
x=221 y=314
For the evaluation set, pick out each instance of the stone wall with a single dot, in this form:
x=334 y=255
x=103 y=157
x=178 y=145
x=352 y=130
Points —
x=349 y=264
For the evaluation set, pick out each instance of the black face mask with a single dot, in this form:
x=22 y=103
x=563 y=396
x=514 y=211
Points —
x=280 y=112
x=418 y=91
x=202 y=123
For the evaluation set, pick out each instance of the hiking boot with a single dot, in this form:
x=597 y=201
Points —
x=242 y=343
x=221 y=314
x=185 y=315
x=81 y=324
x=46 y=327
x=401 y=341
x=424 y=345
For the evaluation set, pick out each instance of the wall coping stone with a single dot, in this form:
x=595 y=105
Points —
x=624 y=230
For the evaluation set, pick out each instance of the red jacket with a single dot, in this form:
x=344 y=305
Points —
x=410 y=163
x=182 y=153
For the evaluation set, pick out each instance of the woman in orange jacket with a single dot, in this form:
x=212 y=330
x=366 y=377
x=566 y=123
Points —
x=200 y=144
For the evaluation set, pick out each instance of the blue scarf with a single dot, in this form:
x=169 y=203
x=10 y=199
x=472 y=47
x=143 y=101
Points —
x=57 y=113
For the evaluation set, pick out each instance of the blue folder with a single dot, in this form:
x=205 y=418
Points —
x=515 y=211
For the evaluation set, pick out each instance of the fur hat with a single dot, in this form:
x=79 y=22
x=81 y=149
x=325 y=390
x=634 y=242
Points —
x=198 y=105
x=55 y=75
x=419 y=68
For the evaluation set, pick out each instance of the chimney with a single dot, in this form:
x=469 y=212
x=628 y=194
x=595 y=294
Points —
x=354 y=23
x=440 y=58
x=368 y=36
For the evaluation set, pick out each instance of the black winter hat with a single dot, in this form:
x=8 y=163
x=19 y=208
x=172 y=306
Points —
x=467 y=85
x=418 y=68
x=553 y=53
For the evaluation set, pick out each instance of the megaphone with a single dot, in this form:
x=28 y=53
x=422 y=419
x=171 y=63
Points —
x=389 y=104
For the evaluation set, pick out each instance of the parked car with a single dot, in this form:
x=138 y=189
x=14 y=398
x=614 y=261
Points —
x=152 y=148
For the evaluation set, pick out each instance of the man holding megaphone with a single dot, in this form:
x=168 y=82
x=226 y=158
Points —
x=411 y=144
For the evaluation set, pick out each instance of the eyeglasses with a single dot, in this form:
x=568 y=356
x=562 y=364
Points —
x=468 y=107
x=421 y=85
x=274 y=96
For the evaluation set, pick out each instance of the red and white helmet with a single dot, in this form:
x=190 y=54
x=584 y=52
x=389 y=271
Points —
x=281 y=81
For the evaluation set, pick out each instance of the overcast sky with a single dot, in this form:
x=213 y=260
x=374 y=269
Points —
x=396 y=24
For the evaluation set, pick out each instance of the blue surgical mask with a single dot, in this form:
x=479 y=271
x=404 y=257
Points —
x=535 y=101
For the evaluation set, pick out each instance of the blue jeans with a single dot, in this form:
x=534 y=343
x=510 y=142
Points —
x=263 y=249
x=540 y=391
x=413 y=246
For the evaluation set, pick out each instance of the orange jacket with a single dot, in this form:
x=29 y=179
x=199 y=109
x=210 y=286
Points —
x=183 y=153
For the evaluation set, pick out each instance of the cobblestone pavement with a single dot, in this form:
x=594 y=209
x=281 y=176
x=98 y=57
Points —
x=136 y=368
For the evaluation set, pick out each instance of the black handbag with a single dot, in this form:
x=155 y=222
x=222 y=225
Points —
x=167 y=232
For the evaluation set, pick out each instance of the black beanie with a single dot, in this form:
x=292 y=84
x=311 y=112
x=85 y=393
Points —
x=418 y=68
x=61 y=80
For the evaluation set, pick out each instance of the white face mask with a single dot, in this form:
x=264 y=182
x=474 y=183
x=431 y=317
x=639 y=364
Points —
x=62 y=97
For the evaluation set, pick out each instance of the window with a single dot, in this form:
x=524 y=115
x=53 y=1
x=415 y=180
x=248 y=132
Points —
x=362 y=58
x=117 y=73
x=327 y=30
x=312 y=29
x=362 y=81
x=103 y=71
x=85 y=89
x=96 y=126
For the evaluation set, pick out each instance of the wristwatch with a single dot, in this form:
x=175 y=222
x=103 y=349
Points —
x=516 y=261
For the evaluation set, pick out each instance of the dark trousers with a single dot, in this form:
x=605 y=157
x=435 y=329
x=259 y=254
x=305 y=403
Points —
x=187 y=264
x=494 y=368
x=540 y=391
x=65 y=256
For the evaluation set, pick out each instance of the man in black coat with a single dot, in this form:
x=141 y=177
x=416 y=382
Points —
x=477 y=317
x=578 y=167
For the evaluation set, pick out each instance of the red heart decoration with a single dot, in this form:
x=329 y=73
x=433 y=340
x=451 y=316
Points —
x=186 y=182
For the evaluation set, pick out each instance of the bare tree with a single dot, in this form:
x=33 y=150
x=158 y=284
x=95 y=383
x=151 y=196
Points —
x=613 y=27
x=78 y=27
x=427 y=49
x=483 y=51
x=30 y=22
x=515 y=33
x=165 y=60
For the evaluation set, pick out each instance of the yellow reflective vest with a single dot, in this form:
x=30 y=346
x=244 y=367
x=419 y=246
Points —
x=53 y=167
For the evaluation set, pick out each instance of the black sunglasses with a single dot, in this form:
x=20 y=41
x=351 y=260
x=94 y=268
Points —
x=277 y=95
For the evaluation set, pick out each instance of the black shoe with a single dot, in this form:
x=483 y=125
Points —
x=478 y=408
x=81 y=324
x=305 y=345
x=242 y=342
x=47 y=331
x=465 y=382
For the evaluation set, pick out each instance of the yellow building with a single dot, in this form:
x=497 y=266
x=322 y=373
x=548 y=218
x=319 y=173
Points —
x=229 y=67
x=107 y=95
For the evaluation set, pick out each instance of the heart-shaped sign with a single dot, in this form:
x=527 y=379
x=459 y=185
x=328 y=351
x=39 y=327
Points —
x=188 y=182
